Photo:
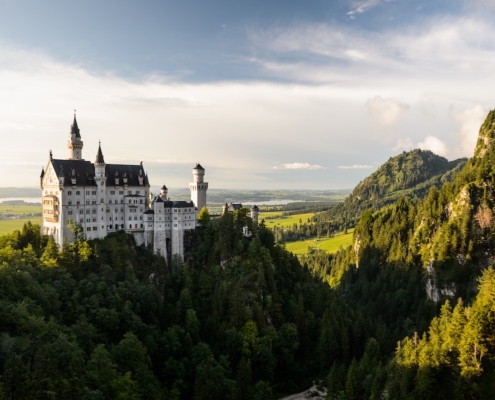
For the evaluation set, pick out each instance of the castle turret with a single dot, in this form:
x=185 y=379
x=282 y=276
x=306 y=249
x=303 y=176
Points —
x=254 y=213
x=100 y=180
x=164 y=193
x=198 y=187
x=75 y=143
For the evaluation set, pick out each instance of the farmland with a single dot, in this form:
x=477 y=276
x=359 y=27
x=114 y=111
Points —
x=331 y=245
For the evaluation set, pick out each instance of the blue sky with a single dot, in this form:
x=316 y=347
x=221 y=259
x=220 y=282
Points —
x=265 y=94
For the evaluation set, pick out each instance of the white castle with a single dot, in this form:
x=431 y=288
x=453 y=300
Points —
x=105 y=198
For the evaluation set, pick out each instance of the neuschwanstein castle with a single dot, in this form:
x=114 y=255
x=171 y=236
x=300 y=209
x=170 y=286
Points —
x=104 y=198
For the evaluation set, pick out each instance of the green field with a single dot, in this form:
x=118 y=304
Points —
x=20 y=209
x=10 y=225
x=331 y=245
x=283 y=222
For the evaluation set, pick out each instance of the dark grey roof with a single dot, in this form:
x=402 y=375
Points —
x=182 y=204
x=84 y=172
x=74 y=129
x=149 y=212
x=42 y=172
x=198 y=166
x=164 y=187
x=236 y=206
x=99 y=156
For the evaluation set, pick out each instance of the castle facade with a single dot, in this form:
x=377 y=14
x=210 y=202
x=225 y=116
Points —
x=105 y=198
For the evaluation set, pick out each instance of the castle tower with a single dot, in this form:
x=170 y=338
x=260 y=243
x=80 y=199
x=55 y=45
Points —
x=198 y=187
x=100 y=180
x=254 y=213
x=164 y=193
x=75 y=143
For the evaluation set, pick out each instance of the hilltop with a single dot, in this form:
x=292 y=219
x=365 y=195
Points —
x=408 y=174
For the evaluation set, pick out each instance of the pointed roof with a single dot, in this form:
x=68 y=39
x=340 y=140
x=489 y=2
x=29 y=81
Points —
x=99 y=156
x=198 y=166
x=74 y=129
x=42 y=172
x=164 y=187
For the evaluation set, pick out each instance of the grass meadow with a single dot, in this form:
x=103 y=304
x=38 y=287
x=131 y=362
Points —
x=331 y=245
x=10 y=225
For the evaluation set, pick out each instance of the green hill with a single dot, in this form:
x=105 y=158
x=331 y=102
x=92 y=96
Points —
x=408 y=174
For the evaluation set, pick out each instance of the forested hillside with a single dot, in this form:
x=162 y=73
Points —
x=408 y=174
x=447 y=238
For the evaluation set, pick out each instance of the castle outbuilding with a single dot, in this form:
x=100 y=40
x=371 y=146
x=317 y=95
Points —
x=105 y=198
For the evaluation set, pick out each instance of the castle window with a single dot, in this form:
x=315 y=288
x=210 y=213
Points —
x=112 y=192
x=70 y=212
x=93 y=202
x=101 y=200
x=138 y=192
x=88 y=219
x=141 y=225
x=81 y=220
x=141 y=201
x=95 y=228
x=135 y=225
x=109 y=201
x=129 y=192
x=88 y=211
x=69 y=193
x=116 y=210
x=94 y=219
x=175 y=225
x=78 y=192
x=78 y=202
x=94 y=211
x=130 y=218
x=121 y=192
x=175 y=217
x=122 y=201
x=108 y=210
x=130 y=226
x=93 y=192
x=70 y=203
x=87 y=192
x=130 y=201
x=88 y=228
x=87 y=201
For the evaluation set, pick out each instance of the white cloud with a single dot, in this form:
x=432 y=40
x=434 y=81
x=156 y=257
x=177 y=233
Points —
x=435 y=145
x=404 y=144
x=470 y=121
x=299 y=166
x=385 y=112
x=355 y=166
x=362 y=6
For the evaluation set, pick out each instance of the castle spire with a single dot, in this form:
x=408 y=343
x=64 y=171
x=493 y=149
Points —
x=75 y=143
x=74 y=129
x=99 y=156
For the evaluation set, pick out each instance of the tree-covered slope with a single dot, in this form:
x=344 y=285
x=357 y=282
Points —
x=408 y=174
x=447 y=238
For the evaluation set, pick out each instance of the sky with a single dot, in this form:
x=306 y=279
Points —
x=264 y=94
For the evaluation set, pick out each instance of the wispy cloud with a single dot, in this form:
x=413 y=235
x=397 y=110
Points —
x=299 y=166
x=355 y=166
x=385 y=112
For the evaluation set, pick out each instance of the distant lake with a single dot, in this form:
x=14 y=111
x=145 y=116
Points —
x=272 y=202
x=26 y=199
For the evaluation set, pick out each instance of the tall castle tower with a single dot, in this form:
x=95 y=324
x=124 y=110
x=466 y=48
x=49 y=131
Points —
x=100 y=180
x=198 y=187
x=75 y=143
